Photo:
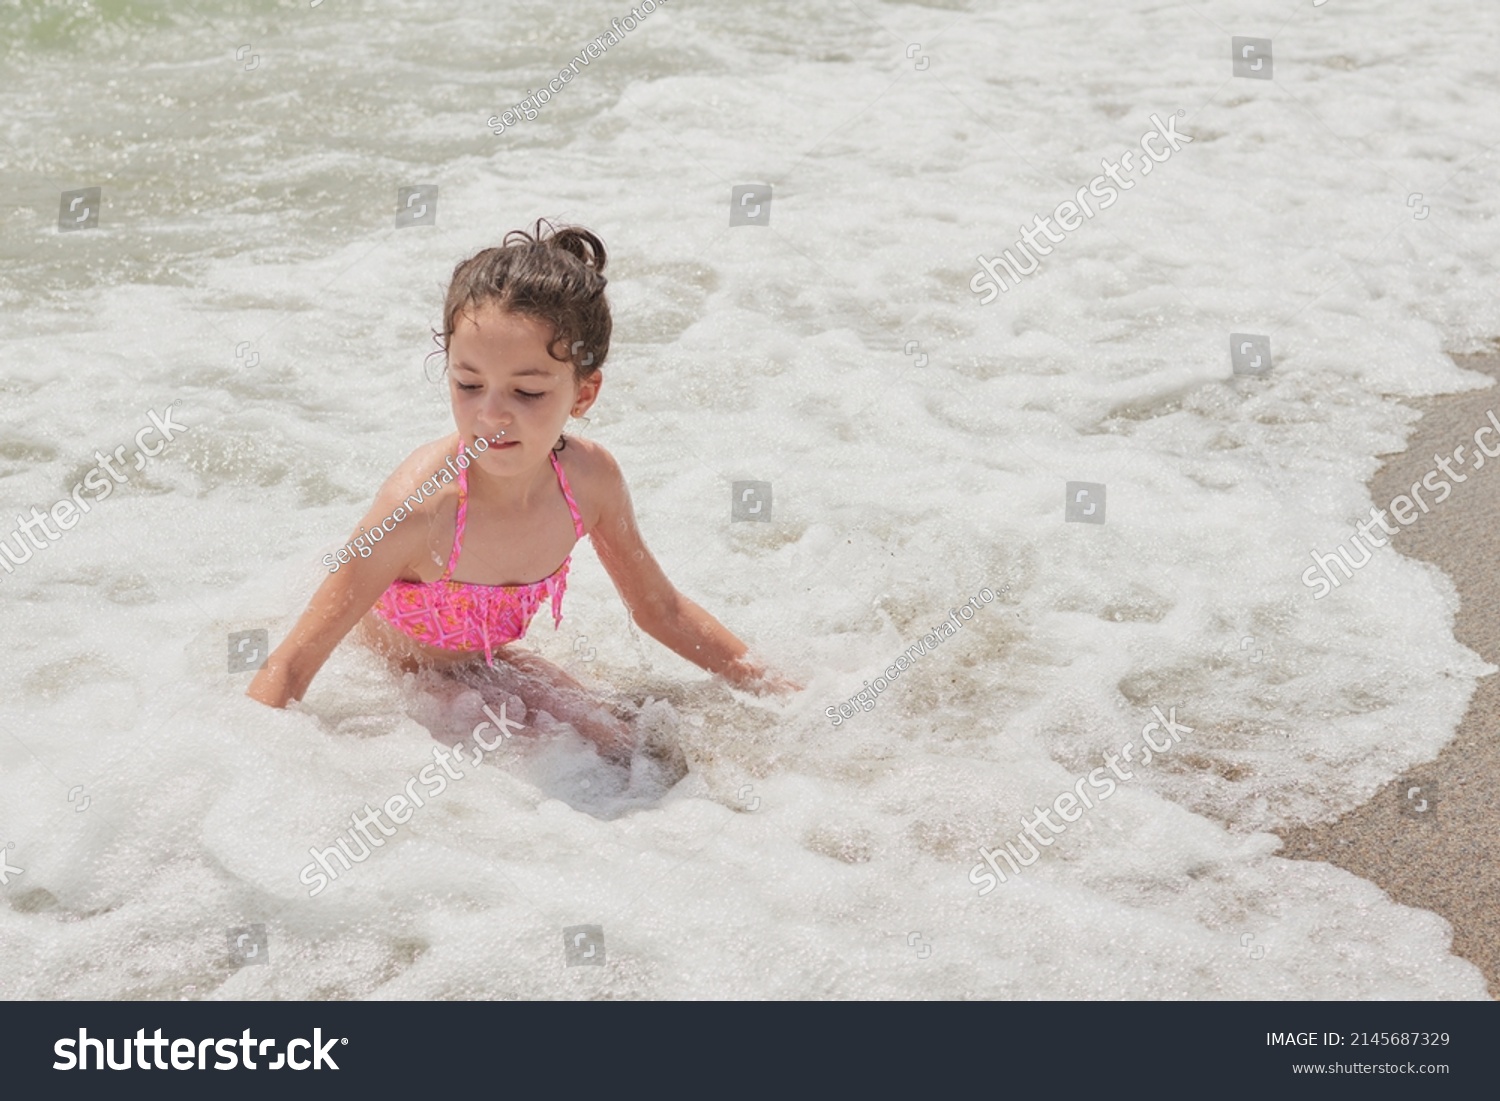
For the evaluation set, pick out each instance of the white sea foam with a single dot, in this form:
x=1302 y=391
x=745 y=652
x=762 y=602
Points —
x=791 y=860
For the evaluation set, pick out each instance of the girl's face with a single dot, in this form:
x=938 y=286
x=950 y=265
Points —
x=502 y=379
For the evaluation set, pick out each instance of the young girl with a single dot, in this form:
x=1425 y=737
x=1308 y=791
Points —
x=435 y=577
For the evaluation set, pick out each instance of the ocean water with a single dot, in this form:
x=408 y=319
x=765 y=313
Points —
x=247 y=270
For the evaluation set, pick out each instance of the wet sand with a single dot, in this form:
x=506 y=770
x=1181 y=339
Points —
x=1443 y=855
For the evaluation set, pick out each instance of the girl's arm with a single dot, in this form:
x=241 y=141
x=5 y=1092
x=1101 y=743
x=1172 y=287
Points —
x=346 y=594
x=654 y=603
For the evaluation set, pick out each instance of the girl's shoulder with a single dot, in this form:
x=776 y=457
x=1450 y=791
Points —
x=594 y=478
x=426 y=479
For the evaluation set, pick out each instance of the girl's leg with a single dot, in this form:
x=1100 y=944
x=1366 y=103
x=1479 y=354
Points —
x=542 y=686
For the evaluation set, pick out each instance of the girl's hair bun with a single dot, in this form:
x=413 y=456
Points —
x=574 y=240
x=550 y=273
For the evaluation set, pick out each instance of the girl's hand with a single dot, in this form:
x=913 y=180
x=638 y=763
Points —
x=653 y=602
x=272 y=685
x=778 y=684
x=752 y=677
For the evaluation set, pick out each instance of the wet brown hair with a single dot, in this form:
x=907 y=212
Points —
x=552 y=274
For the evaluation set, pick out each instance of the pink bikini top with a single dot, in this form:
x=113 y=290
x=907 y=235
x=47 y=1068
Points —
x=458 y=615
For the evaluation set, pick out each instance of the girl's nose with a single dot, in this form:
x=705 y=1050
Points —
x=497 y=416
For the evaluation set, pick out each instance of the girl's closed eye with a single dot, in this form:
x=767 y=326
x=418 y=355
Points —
x=466 y=387
x=528 y=394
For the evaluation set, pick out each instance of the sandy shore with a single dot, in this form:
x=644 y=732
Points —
x=1446 y=857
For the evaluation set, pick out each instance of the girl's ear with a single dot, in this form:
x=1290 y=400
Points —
x=588 y=392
